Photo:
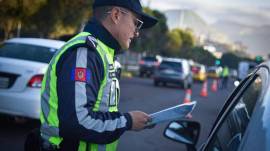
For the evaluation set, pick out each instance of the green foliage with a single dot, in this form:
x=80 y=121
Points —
x=179 y=41
x=44 y=18
x=62 y=17
x=152 y=40
x=231 y=60
x=16 y=12
x=175 y=40
x=198 y=54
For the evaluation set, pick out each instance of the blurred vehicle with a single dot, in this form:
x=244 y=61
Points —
x=241 y=125
x=23 y=62
x=213 y=72
x=172 y=70
x=244 y=68
x=148 y=65
x=199 y=72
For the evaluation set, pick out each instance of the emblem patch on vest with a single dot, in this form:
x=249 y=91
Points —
x=81 y=74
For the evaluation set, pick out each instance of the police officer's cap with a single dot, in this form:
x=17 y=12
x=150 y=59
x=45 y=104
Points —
x=133 y=5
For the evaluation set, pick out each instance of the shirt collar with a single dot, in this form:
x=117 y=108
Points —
x=94 y=27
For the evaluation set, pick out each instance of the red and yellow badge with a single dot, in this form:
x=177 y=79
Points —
x=81 y=74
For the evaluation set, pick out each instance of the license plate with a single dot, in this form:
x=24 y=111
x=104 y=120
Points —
x=4 y=82
x=168 y=71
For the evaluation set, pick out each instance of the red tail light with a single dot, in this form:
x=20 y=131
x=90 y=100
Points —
x=156 y=64
x=141 y=62
x=35 y=81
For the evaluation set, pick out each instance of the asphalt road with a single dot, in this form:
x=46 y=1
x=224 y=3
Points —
x=138 y=94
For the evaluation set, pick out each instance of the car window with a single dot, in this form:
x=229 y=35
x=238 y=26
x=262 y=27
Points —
x=195 y=69
x=149 y=59
x=232 y=130
x=27 y=52
x=171 y=65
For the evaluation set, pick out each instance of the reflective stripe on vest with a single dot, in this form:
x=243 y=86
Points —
x=107 y=100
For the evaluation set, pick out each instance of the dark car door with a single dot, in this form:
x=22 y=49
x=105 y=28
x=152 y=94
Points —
x=236 y=116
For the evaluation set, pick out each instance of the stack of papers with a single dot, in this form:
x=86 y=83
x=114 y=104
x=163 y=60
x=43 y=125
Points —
x=173 y=113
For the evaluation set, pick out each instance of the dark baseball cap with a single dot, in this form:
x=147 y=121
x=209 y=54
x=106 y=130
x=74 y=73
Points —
x=132 y=5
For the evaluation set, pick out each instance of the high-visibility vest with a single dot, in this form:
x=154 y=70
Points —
x=225 y=72
x=109 y=90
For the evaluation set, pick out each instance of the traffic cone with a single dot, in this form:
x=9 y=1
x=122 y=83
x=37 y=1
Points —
x=204 y=92
x=214 y=86
x=187 y=99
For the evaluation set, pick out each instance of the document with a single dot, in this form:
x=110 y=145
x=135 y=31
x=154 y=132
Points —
x=172 y=113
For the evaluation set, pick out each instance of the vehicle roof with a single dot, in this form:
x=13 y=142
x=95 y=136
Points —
x=38 y=42
x=174 y=59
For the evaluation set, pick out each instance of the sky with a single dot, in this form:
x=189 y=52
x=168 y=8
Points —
x=253 y=12
x=249 y=13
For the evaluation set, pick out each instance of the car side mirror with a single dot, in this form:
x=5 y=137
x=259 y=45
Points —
x=183 y=131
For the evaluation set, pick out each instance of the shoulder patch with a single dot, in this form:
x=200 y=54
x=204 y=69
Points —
x=80 y=74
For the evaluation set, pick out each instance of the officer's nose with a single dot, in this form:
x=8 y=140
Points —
x=136 y=33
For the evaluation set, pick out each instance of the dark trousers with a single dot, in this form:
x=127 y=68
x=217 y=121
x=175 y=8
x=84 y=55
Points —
x=224 y=82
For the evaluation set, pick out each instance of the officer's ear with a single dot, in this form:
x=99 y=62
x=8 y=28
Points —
x=115 y=15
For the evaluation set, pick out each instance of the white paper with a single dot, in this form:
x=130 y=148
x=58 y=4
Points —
x=172 y=113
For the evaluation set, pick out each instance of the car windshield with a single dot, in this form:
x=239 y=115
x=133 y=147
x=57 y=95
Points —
x=195 y=69
x=26 y=52
x=171 y=65
x=149 y=59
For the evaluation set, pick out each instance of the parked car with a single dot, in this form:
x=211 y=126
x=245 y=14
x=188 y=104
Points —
x=241 y=125
x=199 y=72
x=148 y=65
x=23 y=62
x=213 y=72
x=173 y=70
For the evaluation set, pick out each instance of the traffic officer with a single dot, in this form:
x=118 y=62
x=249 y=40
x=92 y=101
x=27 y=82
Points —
x=80 y=91
x=225 y=76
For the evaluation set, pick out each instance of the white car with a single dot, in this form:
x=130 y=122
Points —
x=23 y=62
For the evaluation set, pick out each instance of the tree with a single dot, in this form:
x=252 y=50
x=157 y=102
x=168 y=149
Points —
x=174 y=43
x=200 y=55
x=58 y=18
x=179 y=41
x=231 y=60
x=187 y=39
x=14 y=13
x=153 y=40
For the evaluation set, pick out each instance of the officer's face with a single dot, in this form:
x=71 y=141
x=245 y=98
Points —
x=127 y=27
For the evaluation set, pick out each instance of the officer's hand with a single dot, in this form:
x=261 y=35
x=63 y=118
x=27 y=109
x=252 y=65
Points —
x=139 y=120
